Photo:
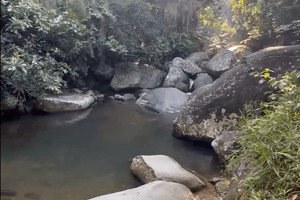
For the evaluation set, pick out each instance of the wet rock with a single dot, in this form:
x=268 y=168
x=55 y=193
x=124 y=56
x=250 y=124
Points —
x=129 y=76
x=119 y=97
x=129 y=97
x=177 y=78
x=220 y=63
x=229 y=93
x=125 y=97
x=64 y=102
x=161 y=167
x=225 y=144
x=99 y=97
x=157 y=190
x=168 y=100
x=201 y=80
x=197 y=58
x=186 y=66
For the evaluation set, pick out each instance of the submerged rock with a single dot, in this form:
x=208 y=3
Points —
x=64 y=102
x=161 y=167
x=157 y=190
x=235 y=88
x=129 y=76
x=178 y=79
x=168 y=100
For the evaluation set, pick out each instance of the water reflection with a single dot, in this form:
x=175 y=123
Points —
x=85 y=154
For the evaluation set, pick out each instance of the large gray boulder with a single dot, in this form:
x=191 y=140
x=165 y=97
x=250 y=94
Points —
x=220 y=63
x=65 y=102
x=158 y=190
x=168 y=100
x=161 y=167
x=197 y=58
x=130 y=76
x=188 y=67
x=201 y=80
x=178 y=79
x=228 y=94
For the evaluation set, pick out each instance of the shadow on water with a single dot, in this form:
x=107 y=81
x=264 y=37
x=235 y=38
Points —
x=85 y=154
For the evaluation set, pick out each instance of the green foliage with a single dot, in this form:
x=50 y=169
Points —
x=47 y=45
x=271 y=142
x=246 y=15
x=209 y=18
x=38 y=45
x=138 y=34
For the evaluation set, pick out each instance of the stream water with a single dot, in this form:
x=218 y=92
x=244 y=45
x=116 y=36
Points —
x=80 y=155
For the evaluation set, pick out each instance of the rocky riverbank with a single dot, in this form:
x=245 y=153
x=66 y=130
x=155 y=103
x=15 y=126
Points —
x=208 y=91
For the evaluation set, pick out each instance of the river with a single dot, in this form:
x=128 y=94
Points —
x=80 y=155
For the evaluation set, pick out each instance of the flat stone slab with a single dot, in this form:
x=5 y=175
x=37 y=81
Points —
x=65 y=102
x=158 y=190
x=161 y=167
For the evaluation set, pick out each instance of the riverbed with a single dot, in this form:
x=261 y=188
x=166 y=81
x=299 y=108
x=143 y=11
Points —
x=80 y=155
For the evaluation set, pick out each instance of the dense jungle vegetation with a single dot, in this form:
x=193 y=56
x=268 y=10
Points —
x=49 y=45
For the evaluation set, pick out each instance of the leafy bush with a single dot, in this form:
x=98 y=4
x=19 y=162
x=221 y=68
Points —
x=38 y=45
x=47 y=45
x=271 y=142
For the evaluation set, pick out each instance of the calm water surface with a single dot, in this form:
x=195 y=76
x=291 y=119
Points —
x=80 y=155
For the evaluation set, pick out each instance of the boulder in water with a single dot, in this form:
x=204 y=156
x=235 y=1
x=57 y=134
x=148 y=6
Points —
x=159 y=100
x=64 y=102
x=161 y=167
